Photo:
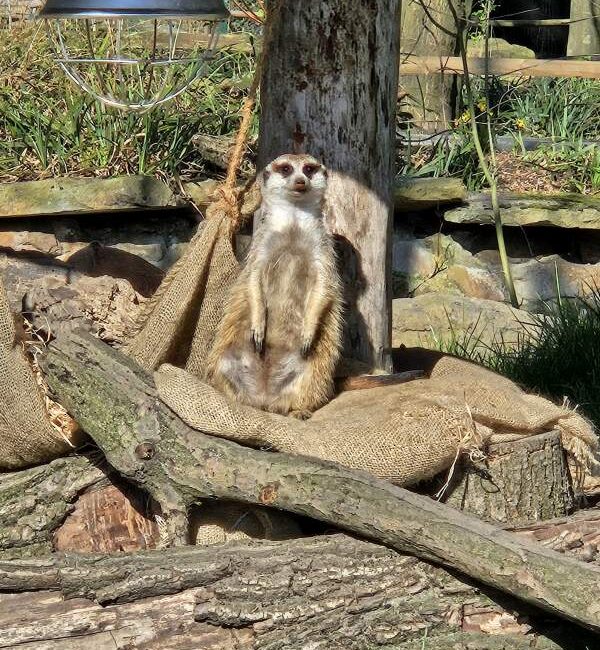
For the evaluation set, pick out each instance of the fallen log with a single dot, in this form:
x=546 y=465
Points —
x=116 y=403
x=331 y=592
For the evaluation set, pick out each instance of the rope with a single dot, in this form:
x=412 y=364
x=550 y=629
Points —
x=231 y=197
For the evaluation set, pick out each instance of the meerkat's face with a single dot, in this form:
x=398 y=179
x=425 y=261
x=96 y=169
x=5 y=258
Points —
x=297 y=178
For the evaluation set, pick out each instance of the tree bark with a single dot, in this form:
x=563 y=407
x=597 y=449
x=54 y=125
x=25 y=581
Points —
x=331 y=592
x=584 y=31
x=428 y=29
x=522 y=481
x=114 y=401
x=329 y=88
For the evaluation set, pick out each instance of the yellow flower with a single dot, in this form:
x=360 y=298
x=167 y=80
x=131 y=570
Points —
x=464 y=118
x=482 y=105
x=520 y=123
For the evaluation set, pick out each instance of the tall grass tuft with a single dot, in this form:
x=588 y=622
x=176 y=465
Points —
x=559 y=355
x=49 y=128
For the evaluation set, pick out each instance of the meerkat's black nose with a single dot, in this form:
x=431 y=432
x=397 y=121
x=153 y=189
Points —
x=299 y=184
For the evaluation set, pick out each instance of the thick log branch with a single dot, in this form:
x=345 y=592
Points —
x=331 y=592
x=116 y=403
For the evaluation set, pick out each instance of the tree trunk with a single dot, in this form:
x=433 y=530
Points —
x=331 y=592
x=114 y=401
x=329 y=88
x=427 y=29
x=584 y=31
x=523 y=481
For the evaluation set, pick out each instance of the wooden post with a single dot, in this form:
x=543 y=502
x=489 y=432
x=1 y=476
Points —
x=329 y=88
x=584 y=30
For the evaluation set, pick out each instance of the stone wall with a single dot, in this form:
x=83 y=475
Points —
x=92 y=251
x=447 y=273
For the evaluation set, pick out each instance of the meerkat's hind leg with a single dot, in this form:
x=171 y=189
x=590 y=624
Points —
x=302 y=414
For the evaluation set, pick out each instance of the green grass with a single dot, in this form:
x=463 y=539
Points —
x=559 y=356
x=564 y=111
x=49 y=128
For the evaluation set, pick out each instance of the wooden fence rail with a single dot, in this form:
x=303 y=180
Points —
x=501 y=67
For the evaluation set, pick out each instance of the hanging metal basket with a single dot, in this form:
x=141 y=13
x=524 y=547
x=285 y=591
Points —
x=134 y=54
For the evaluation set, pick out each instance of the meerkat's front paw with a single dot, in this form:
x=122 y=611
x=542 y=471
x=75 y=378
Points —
x=258 y=339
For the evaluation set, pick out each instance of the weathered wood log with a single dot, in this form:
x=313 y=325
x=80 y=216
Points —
x=326 y=592
x=336 y=98
x=34 y=502
x=578 y=534
x=106 y=520
x=116 y=403
x=520 y=482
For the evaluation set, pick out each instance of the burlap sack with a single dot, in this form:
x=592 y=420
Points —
x=179 y=323
x=27 y=436
x=218 y=522
x=403 y=433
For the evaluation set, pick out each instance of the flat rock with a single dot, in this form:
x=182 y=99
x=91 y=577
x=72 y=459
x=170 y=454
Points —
x=65 y=196
x=561 y=211
x=545 y=278
x=412 y=194
x=434 y=318
x=499 y=48
x=439 y=263
x=156 y=237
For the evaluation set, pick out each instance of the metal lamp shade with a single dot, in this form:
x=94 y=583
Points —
x=199 y=9
x=134 y=54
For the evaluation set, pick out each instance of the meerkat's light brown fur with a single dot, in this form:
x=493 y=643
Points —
x=279 y=341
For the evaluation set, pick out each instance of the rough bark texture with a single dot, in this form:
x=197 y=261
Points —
x=330 y=592
x=521 y=482
x=329 y=88
x=584 y=31
x=147 y=444
x=427 y=28
x=578 y=534
x=35 y=501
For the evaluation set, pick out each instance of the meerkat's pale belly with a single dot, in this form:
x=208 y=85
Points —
x=289 y=277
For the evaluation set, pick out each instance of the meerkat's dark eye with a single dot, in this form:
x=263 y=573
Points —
x=310 y=170
x=285 y=169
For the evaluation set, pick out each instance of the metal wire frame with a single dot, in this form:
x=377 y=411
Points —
x=165 y=94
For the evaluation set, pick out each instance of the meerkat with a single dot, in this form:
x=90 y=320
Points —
x=280 y=337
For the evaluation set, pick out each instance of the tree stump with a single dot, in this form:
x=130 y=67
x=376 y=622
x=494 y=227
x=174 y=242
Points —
x=522 y=481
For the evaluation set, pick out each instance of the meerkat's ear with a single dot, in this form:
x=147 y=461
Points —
x=265 y=175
